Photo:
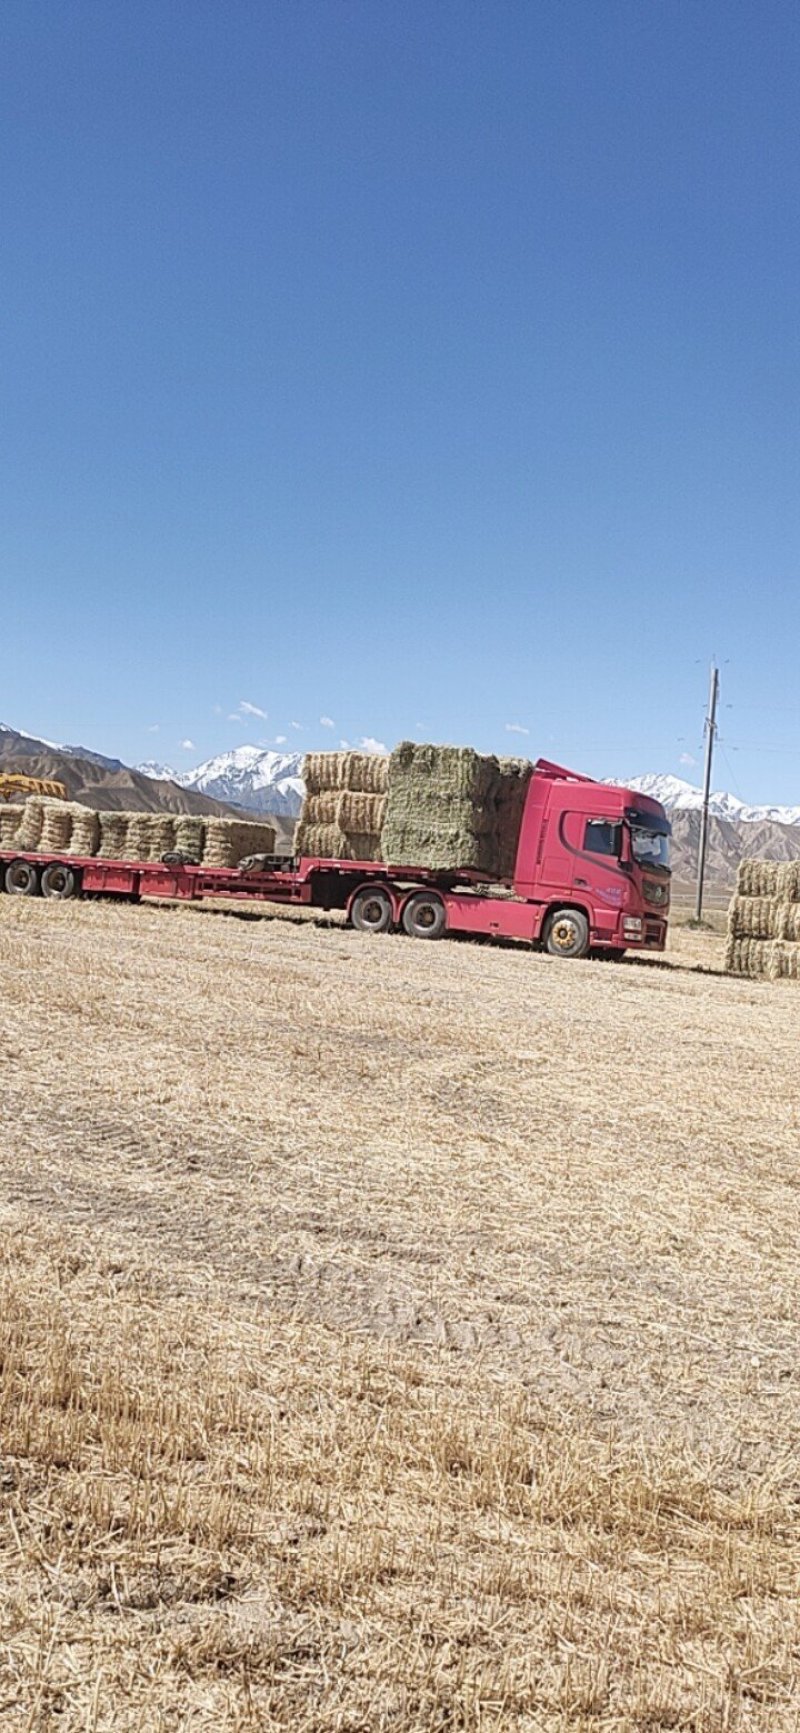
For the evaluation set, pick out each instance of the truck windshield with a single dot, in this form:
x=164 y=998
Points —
x=650 y=847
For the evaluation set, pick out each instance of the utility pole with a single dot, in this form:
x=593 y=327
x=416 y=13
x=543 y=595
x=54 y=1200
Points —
x=710 y=733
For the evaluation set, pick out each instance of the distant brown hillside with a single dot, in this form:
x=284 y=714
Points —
x=109 y=789
x=728 y=843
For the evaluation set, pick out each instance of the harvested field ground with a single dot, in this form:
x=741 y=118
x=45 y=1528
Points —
x=392 y=1336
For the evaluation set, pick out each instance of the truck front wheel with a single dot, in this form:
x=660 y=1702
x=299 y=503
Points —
x=567 y=934
x=371 y=910
x=424 y=916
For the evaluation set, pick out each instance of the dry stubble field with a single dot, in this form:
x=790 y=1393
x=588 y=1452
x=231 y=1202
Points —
x=392 y=1336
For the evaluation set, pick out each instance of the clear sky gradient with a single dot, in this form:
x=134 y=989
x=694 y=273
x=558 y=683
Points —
x=426 y=367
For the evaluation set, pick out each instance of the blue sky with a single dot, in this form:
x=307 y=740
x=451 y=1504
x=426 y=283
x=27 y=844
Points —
x=427 y=368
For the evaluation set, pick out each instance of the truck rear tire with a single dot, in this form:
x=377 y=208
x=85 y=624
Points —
x=567 y=934
x=22 y=879
x=371 y=910
x=424 y=916
x=59 y=881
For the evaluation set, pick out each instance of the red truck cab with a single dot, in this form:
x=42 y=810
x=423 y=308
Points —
x=599 y=851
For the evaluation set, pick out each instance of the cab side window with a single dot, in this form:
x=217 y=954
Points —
x=602 y=837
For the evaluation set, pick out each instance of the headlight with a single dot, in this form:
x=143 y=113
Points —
x=632 y=926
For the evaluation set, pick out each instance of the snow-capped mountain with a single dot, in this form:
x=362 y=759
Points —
x=158 y=772
x=254 y=777
x=679 y=796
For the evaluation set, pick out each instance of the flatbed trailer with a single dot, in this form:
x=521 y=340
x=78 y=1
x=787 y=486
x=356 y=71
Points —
x=591 y=873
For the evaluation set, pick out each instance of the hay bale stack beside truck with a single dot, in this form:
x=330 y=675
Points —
x=764 y=921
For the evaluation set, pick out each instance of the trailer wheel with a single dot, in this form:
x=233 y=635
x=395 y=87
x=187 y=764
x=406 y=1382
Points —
x=424 y=916
x=567 y=934
x=59 y=881
x=22 y=879
x=371 y=910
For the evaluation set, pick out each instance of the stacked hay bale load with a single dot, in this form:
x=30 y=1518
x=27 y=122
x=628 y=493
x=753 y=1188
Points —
x=344 y=809
x=452 y=808
x=231 y=840
x=10 y=821
x=764 y=921
x=113 y=842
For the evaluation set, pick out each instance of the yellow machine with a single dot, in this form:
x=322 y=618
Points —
x=14 y=787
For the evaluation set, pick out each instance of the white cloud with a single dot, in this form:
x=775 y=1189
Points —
x=368 y=743
x=217 y=709
x=298 y=725
x=686 y=758
x=154 y=727
x=187 y=746
x=280 y=740
x=235 y=717
x=516 y=728
x=344 y=745
x=327 y=722
x=249 y=709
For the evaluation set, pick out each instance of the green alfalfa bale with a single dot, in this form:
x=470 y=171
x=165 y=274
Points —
x=441 y=810
x=514 y=775
x=10 y=821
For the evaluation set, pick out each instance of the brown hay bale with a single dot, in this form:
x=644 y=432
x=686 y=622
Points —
x=748 y=956
x=789 y=881
x=228 y=841
x=85 y=838
x=10 y=820
x=321 y=808
x=365 y=814
x=753 y=917
x=361 y=772
x=783 y=963
x=324 y=770
x=367 y=773
x=758 y=878
x=328 y=842
x=113 y=844
x=190 y=834
x=787 y=921
x=30 y=829
x=150 y=835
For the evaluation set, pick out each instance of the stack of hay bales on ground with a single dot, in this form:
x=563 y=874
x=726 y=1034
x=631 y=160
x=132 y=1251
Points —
x=764 y=921
x=450 y=807
x=344 y=809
